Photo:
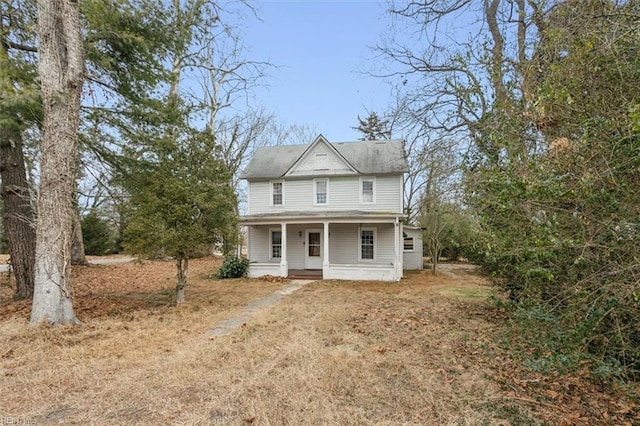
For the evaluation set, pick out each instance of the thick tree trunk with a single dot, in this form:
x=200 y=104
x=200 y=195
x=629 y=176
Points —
x=18 y=212
x=77 y=246
x=61 y=72
x=182 y=264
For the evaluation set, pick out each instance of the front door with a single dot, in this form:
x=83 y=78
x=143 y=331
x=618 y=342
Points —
x=313 y=253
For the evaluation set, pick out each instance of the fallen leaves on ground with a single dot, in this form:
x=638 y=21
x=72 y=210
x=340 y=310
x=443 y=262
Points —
x=274 y=279
x=111 y=290
x=403 y=338
x=468 y=341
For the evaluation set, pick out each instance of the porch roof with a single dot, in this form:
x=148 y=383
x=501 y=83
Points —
x=343 y=216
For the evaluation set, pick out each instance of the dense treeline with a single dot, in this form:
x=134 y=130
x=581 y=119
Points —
x=544 y=102
x=561 y=230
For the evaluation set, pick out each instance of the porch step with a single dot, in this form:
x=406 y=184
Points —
x=305 y=274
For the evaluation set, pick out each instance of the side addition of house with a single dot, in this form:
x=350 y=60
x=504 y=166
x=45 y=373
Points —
x=333 y=208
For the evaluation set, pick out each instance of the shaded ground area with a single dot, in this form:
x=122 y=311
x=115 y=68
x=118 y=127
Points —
x=421 y=351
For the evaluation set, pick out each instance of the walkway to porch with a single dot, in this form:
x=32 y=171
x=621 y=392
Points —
x=305 y=274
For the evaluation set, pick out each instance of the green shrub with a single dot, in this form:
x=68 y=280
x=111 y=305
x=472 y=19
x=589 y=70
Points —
x=96 y=234
x=233 y=267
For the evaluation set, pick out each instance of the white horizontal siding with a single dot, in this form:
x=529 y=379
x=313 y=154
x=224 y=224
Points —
x=257 y=270
x=344 y=194
x=385 y=244
x=259 y=249
x=343 y=243
x=343 y=251
x=344 y=240
x=258 y=244
x=259 y=193
x=412 y=260
x=360 y=272
x=299 y=195
x=388 y=194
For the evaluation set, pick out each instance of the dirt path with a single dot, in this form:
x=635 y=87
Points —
x=228 y=326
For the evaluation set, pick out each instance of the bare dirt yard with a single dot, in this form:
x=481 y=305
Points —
x=420 y=351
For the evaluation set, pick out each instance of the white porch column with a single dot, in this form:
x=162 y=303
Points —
x=401 y=248
x=325 y=257
x=248 y=241
x=284 y=267
x=398 y=260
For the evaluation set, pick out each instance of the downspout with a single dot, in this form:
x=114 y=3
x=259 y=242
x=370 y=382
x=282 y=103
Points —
x=397 y=273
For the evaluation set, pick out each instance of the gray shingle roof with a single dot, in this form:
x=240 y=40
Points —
x=367 y=157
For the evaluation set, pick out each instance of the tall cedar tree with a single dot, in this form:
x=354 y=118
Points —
x=373 y=128
x=181 y=196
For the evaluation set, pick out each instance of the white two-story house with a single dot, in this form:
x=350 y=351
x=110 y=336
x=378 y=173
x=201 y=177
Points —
x=335 y=208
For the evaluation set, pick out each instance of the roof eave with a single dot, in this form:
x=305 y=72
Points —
x=305 y=217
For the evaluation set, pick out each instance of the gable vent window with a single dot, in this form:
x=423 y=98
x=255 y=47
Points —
x=321 y=162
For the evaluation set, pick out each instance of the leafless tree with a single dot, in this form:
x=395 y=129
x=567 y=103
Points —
x=280 y=133
x=462 y=65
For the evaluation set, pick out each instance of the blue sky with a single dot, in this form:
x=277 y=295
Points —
x=321 y=49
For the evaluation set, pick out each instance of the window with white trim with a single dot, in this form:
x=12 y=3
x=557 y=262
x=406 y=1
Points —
x=408 y=243
x=277 y=193
x=320 y=191
x=367 y=190
x=367 y=244
x=275 y=237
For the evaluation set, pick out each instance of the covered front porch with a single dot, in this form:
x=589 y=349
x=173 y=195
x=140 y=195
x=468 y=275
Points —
x=364 y=246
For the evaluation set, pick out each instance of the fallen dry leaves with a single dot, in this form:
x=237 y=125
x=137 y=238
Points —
x=420 y=351
x=274 y=279
x=571 y=399
x=108 y=290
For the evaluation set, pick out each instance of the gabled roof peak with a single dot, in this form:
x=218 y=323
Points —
x=320 y=140
x=364 y=157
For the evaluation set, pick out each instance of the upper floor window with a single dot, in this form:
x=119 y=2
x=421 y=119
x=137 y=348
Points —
x=277 y=193
x=320 y=191
x=367 y=190
x=320 y=161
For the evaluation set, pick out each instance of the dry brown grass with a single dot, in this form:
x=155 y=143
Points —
x=419 y=351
